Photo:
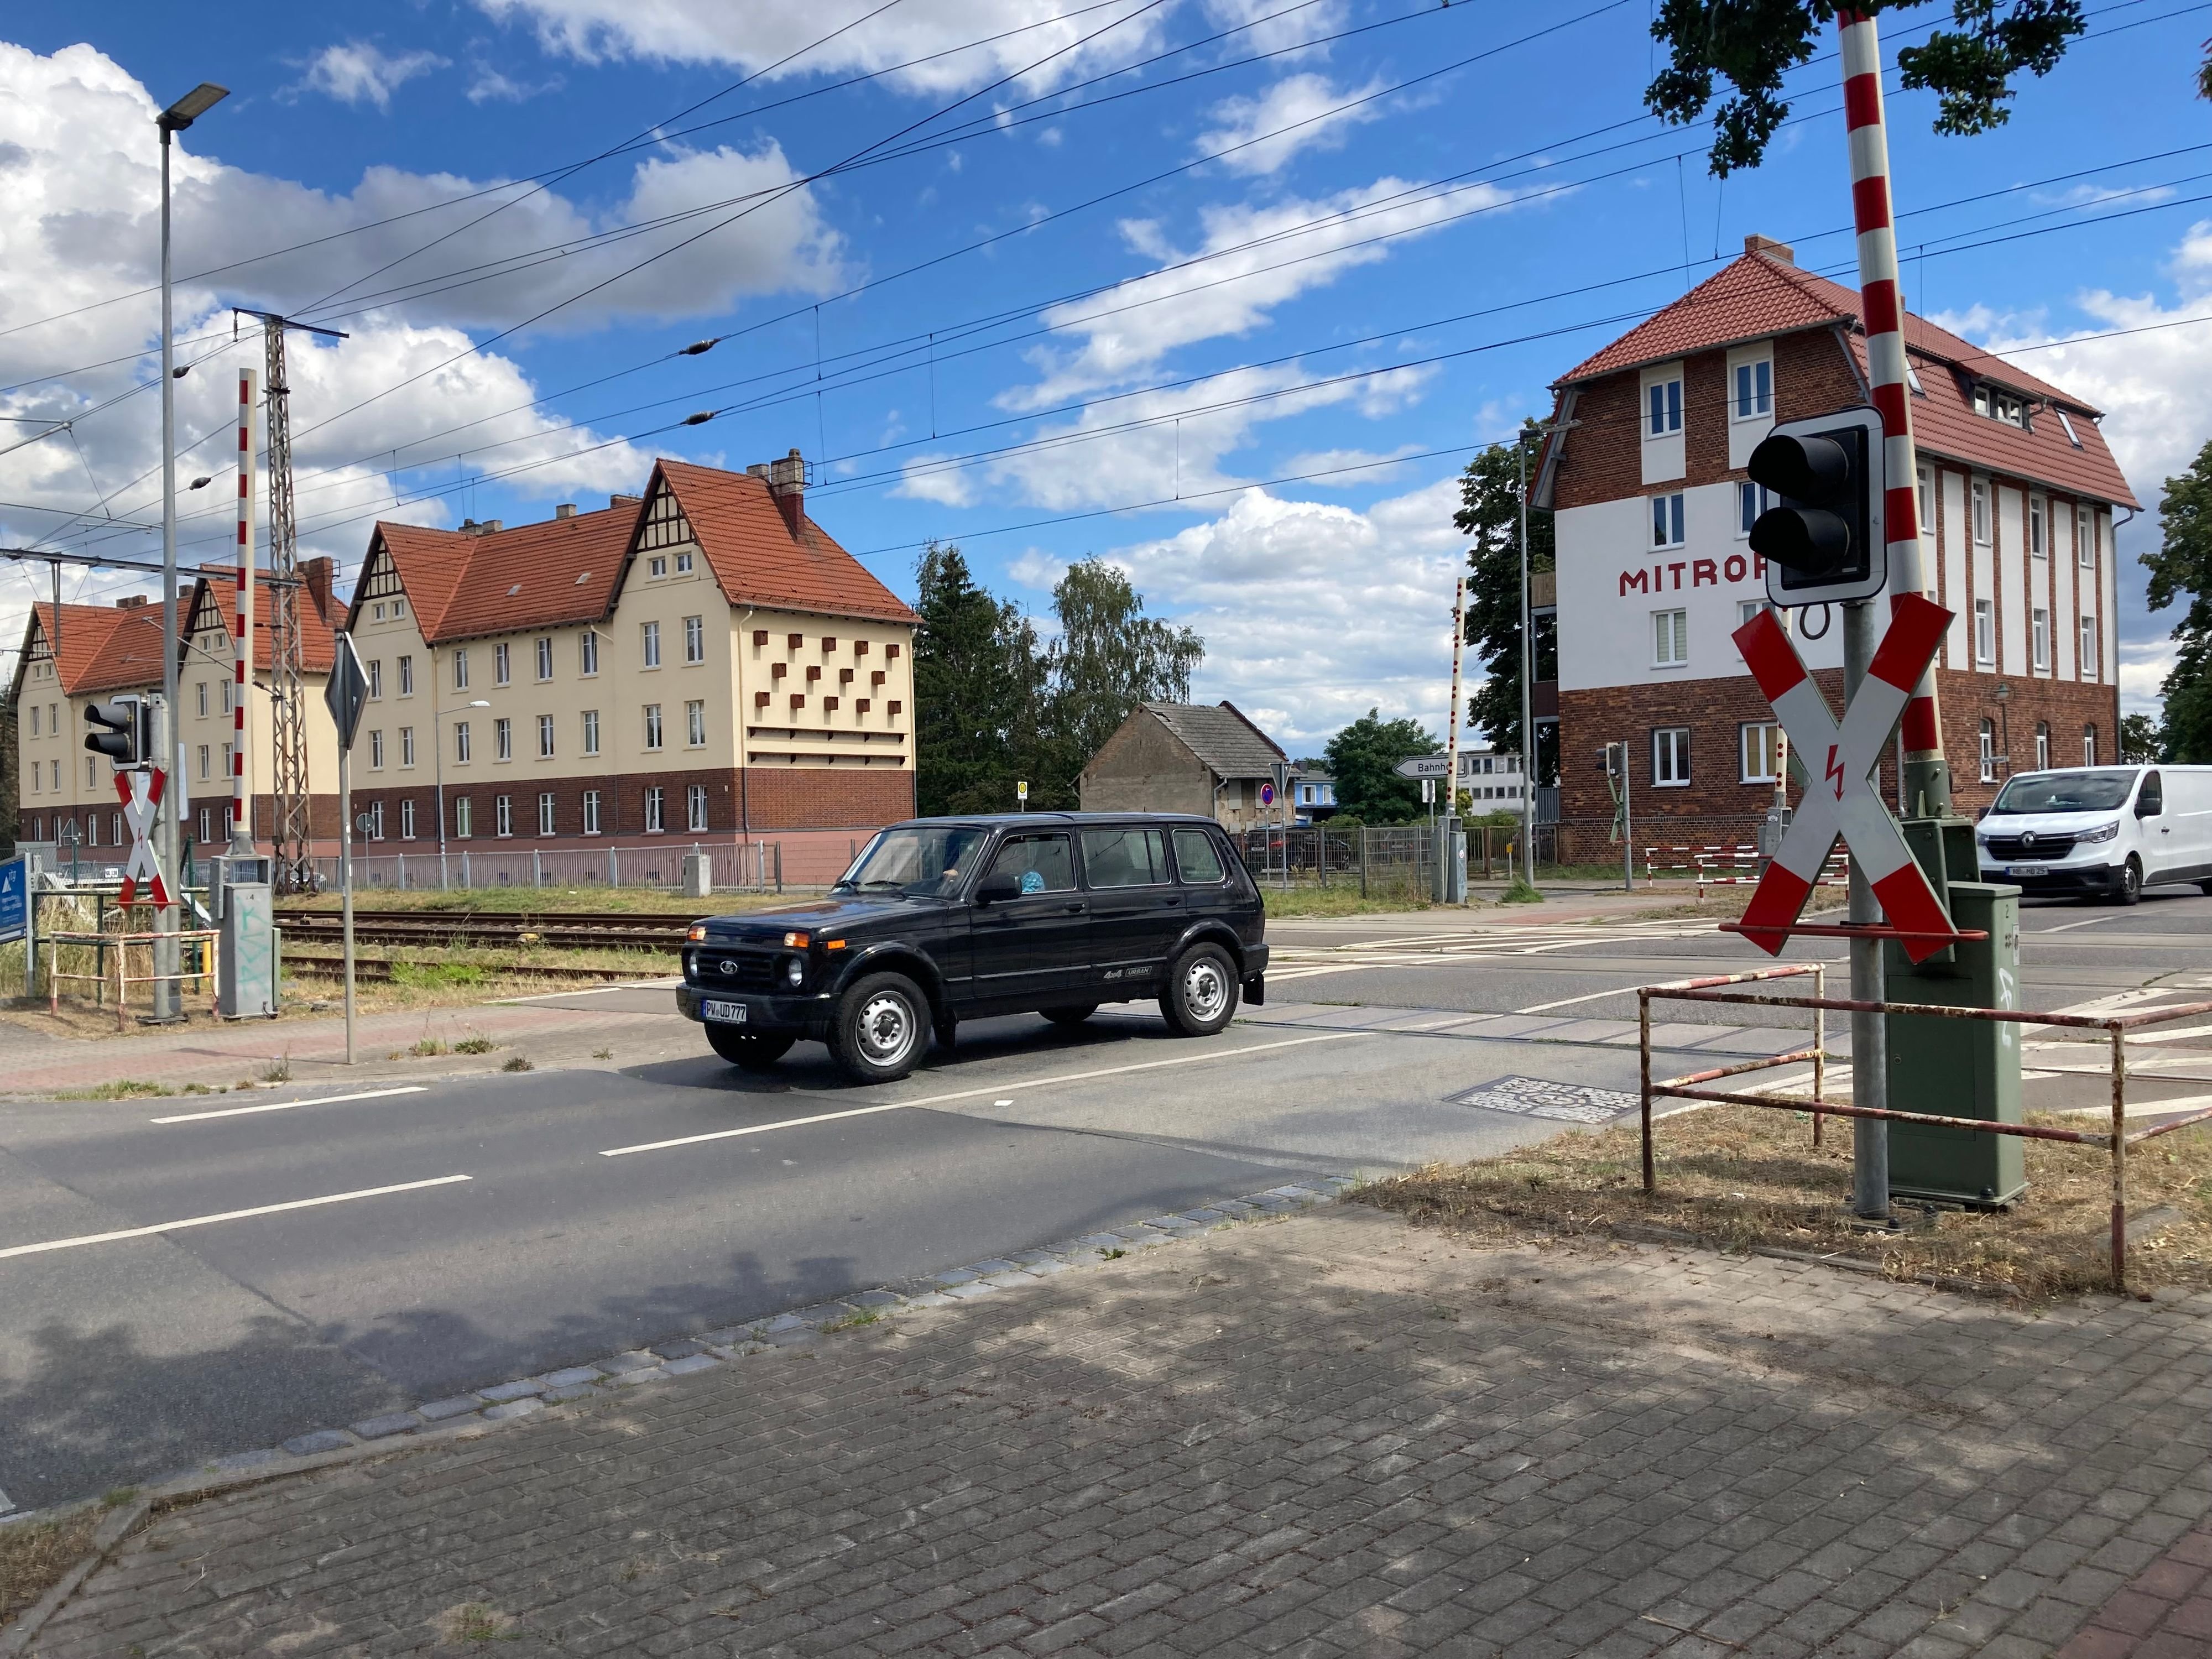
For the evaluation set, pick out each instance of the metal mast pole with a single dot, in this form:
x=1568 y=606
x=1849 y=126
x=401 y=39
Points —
x=1446 y=865
x=291 y=836
x=1927 y=774
x=1528 y=676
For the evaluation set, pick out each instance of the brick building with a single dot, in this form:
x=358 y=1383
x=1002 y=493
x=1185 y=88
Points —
x=1653 y=508
x=701 y=664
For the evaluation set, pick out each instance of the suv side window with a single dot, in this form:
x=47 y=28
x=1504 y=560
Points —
x=1197 y=858
x=1042 y=864
x=1125 y=857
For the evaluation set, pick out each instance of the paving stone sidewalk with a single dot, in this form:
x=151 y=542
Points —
x=1323 y=1435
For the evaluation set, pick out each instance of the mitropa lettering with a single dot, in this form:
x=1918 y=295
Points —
x=1703 y=573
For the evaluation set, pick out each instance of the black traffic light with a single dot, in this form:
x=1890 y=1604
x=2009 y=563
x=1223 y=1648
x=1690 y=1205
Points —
x=1822 y=540
x=121 y=731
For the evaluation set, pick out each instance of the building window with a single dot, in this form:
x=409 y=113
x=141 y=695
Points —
x=406 y=820
x=1980 y=493
x=1667 y=520
x=2089 y=745
x=502 y=738
x=1670 y=639
x=653 y=726
x=2085 y=537
x=464 y=818
x=658 y=567
x=2038 y=638
x=398 y=608
x=201 y=688
x=591 y=730
x=207 y=823
x=1928 y=500
x=375 y=751
x=1663 y=408
x=545 y=737
x=695 y=724
x=500 y=667
x=653 y=826
x=2088 y=663
x=502 y=813
x=653 y=645
x=695 y=805
x=1754 y=389
x=545 y=813
x=203 y=767
x=546 y=660
x=407 y=746
x=376 y=680
x=229 y=768
x=1985 y=632
x=2042 y=746
x=1746 y=610
x=1762 y=751
x=683 y=564
x=460 y=671
x=2036 y=548
x=2001 y=406
x=1670 y=757
x=376 y=820
x=1750 y=502
x=460 y=743
x=407 y=676
x=1989 y=751
x=591 y=812
x=695 y=639
x=229 y=698
x=591 y=649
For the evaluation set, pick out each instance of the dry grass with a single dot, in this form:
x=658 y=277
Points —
x=33 y=1555
x=1736 y=1176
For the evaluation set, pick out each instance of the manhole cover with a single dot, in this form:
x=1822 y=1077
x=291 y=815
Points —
x=1535 y=1097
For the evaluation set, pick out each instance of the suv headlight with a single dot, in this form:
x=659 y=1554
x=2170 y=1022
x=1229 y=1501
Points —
x=794 y=971
x=2103 y=832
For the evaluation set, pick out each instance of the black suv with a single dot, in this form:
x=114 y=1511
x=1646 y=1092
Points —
x=941 y=919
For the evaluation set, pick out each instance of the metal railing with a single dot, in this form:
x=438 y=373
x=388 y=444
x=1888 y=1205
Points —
x=122 y=978
x=2117 y=1140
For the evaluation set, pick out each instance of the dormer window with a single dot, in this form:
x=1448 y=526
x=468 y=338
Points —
x=2001 y=406
x=2066 y=424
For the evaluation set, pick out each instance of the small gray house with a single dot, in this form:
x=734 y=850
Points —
x=1184 y=757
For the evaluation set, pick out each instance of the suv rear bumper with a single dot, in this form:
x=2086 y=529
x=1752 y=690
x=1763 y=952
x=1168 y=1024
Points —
x=762 y=1012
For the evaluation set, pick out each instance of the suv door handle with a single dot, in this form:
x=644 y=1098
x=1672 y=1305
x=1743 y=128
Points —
x=1075 y=909
x=1172 y=899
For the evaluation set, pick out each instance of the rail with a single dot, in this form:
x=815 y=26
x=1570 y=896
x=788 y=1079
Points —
x=2116 y=1027
x=122 y=979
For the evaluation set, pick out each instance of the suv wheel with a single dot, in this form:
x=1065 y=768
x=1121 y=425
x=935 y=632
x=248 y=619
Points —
x=1202 y=992
x=2130 y=887
x=1071 y=1016
x=748 y=1051
x=881 y=1025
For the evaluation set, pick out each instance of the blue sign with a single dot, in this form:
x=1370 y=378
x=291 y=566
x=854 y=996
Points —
x=15 y=900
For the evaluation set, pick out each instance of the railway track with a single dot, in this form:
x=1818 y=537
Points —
x=567 y=930
x=379 y=969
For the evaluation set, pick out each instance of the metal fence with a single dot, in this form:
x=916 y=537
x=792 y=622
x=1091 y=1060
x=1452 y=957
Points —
x=760 y=866
x=1378 y=862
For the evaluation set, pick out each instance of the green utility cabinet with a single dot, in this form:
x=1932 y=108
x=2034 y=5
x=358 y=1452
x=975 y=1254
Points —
x=1958 y=1067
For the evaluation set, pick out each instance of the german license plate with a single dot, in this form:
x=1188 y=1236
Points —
x=726 y=1013
x=2027 y=870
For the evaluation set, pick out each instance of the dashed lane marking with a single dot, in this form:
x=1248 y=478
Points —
x=288 y=1105
x=226 y=1215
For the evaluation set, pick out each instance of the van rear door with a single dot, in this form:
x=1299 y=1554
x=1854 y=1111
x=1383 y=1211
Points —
x=2177 y=842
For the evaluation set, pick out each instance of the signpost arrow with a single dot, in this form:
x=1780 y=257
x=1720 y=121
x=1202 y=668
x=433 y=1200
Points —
x=1840 y=798
x=1424 y=766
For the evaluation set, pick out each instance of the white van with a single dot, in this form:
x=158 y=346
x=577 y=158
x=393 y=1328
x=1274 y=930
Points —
x=2108 y=830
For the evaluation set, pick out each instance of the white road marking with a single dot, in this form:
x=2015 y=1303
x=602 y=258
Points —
x=667 y=984
x=990 y=1089
x=2066 y=927
x=2141 y=1108
x=287 y=1105
x=226 y=1215
x=1569 y=1002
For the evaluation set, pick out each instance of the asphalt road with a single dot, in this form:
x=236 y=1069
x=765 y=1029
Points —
x=423 y=1239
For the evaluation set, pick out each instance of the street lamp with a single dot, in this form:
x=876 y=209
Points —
x=175 y=119
x=438 y=760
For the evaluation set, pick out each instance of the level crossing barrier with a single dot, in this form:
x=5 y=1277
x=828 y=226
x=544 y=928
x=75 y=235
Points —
x=1737 y=866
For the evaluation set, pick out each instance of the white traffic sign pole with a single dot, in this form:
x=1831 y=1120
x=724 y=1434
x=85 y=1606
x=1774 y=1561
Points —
x=345 y=880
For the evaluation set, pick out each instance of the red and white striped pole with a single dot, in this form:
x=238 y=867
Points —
x=242 y=800
x=1882 y=305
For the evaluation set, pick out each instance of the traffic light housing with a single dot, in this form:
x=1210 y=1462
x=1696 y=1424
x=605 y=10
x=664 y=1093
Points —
x=121 y=731
x=1823 y=539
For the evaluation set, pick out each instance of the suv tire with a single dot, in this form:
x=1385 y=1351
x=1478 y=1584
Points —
x=748 y=1051
x=1071 y=1016
x=882 y=1024
x=1200 y=996
x=2129 y=888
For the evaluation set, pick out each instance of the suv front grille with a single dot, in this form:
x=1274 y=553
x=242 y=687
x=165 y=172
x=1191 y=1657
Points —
x=2047 y=844
x=732 y=970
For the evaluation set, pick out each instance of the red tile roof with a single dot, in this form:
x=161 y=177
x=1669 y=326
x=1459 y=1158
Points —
x=104 y=648
x=217 y=591
x=1758 y=295
x=536 y=576
x=756 y=559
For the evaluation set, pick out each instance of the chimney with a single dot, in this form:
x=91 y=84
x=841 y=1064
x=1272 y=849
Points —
x=316 y=574
x=489 y=527
x=131 y=602
x=1781 y=252
x=468 y=526
x=565 y=510
x=786 y=483
x=624 y=501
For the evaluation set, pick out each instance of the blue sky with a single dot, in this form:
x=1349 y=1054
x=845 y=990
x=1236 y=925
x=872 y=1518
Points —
x=1023 y=311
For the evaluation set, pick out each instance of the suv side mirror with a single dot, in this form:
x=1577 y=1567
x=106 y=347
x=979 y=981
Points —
x=996 y=887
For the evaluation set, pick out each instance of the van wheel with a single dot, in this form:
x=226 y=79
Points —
x=877 y=1033
x=2130 y=886
x=1201 y=997
x=1070 y=1016
x=748 y=1051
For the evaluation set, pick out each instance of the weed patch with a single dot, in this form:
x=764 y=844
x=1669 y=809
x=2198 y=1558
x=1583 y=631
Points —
x=474 y=1045
x=517 y=1063
x=129 y=1088
x=35 y=1556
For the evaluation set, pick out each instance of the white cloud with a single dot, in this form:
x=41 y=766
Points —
x=492 y=86
x=1040 y=570
x=1299 y=112
x=359 y=72
x=1282 y=26
x=1312 y=613
x=759 y=35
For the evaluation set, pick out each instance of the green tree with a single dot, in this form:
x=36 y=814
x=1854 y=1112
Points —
x=1752 y=44
x=2181 y=568
x=1490 y=515
x=1363 y=759
x=978 y=684
x=1110 y=657
x=2141 y=741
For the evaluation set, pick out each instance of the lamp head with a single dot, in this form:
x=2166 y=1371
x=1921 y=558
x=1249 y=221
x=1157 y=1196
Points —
x=190 y=107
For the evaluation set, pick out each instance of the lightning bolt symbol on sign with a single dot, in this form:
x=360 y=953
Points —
x=1835 y=772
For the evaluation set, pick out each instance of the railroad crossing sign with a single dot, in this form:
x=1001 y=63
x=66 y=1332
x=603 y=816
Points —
x=140 y=791
x=1840 y=798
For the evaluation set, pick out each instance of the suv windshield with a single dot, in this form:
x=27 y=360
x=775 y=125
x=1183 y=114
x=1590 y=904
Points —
x=928 y=861
x=2067 y=792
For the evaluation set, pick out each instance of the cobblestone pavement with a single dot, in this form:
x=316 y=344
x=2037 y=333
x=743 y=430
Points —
x=1327 y=1434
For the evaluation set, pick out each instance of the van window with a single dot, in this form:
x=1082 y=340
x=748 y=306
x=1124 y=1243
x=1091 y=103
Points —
x=1042 y=864
x=1124 y=857
x=2103 y=791
x=1196 y=857
x=2152 y=800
